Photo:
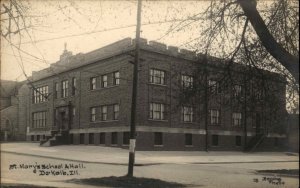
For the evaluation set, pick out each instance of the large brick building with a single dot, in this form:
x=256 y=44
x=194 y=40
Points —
x=86 y=99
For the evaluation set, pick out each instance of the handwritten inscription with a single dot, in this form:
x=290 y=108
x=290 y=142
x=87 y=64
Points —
x=271 y=180
x=62 y=169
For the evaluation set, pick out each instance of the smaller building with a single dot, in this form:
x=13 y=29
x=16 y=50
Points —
x=293 y=132
x=10 y=130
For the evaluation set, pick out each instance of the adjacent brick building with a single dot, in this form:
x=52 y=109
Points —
x=86 y=99
x=293 y=132
x=9 y=104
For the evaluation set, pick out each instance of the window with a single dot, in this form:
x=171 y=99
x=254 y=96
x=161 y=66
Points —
x=116 y=78
x=39 y=119
x=157 y=76
x=40 y=94
x=158 y=139
x=71 y=138
x=215 y=140
x=213 y=86
x=187 y=114
x=103 y=113
x=237 y=90
x=214 y=117
x=74 y=86
x=36 y=95
x=73 y=111
x=258 y=121
x=46 y=93
x=93 y=114
x=186 y=81
x=236 y=119
x=81 y=138
x=157 y=111
x=276 y=142
x=104 y=81
x=65 y=87
x=114 y=138
x=55 y=90
x=238 y=140
x=126 y=136
x=102 y=138
x=91 y=138
x=43 y=120
x=55 y=114
x=93 y=82
x=188 y=139
x=116 y=109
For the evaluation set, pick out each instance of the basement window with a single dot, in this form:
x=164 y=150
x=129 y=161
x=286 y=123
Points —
x=188 y=139
x=238 y=140
x=126 y=136
x=215 y=140
x=158 y=139
x=102 y=138
x=91 y=138
x=114 y=138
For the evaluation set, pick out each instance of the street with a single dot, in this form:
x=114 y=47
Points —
x=191 y=174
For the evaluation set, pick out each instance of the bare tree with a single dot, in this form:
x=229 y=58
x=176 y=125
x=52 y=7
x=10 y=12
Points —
x=284 y=51
x=276 y=32
x=13 y=19
x=262 y=35
x=18 y=23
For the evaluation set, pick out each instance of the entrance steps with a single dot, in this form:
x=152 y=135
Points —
x=255 y=142
x=56 y=138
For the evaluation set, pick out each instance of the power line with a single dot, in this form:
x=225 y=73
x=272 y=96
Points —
x=21 y=56
x=29 y=60
x=103 y=30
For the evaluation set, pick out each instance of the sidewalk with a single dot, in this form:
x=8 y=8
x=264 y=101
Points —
x=117 y=156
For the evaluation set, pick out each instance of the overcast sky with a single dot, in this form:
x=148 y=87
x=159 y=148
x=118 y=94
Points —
x=88 y=25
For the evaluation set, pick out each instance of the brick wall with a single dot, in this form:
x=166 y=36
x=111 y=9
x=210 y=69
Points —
x=156 y=56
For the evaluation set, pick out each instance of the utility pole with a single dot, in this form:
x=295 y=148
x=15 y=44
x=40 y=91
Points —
x=206 y=89
x=134 y=92
x=206 y=98
x=245 y=112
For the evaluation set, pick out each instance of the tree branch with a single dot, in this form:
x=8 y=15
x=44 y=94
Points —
x=290 y=62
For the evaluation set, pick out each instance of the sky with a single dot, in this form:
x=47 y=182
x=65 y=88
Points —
x=87 y=25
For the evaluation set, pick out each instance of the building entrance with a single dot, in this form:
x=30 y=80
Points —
x=62 y=118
